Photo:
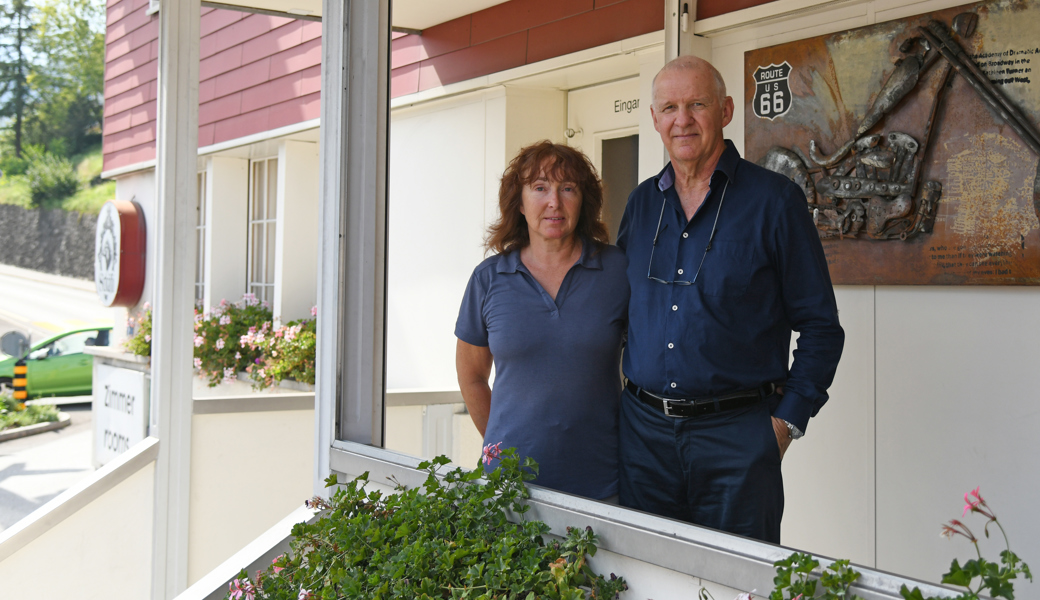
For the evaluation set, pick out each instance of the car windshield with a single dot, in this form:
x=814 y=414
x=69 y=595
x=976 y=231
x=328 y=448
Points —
x=73 y=343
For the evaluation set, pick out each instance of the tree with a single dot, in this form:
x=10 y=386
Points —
x=15 y=31
x=67 y=80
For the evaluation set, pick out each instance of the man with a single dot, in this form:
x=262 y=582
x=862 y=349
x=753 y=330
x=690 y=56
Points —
x=724 y=263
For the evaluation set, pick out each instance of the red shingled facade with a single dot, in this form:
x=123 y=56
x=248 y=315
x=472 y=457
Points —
x=258 y=73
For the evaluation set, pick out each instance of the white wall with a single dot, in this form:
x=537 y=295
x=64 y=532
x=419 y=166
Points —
x=227 y=194
x=248 y=470
x=446 y=160
x=296 y=244
x=102 y=551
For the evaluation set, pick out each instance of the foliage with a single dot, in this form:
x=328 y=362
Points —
x=19 y=414
x=16 y=26
x=140 y=340
x=448 y=539
x=228 y=338
x=980 y=577
x=51 y=177
x=90 y=199
x=13 y=165
x=288 y=353
x=67 y=78
x=794 y=578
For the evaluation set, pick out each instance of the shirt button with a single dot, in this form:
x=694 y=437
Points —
x=675 y=307
x=673 y=385
x=680 y=271
x=671 y=345
x=685 y=235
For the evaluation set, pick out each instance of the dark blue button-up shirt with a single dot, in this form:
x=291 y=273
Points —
x=764 y=277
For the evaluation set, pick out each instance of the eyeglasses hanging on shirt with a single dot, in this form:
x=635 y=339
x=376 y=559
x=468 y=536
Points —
x=711 y=238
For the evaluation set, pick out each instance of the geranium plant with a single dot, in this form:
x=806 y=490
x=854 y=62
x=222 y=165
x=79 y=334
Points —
x=287 y=353
x=228 y=338
x=980 y=577
x=451 y=538
x=140 y=329
x=796 y=575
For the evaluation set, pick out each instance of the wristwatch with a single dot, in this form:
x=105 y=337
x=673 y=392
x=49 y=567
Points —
x=794 y=431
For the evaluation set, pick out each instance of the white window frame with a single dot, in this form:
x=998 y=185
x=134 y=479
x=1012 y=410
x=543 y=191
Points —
x=200 y=239
x=265 y=227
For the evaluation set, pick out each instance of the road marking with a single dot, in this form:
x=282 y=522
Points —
x=48 y=326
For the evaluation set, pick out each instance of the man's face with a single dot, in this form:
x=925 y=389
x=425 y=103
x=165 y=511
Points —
x=689 y=114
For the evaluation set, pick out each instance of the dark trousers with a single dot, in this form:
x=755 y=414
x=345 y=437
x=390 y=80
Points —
x=720 y=471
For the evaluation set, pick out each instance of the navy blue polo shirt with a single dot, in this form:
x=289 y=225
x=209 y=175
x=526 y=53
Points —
x=764 y=277
x=557 y=380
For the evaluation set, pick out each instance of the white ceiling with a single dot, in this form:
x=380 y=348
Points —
x=410 y=14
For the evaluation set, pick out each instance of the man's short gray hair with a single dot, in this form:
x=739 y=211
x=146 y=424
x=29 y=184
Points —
x=690 y=63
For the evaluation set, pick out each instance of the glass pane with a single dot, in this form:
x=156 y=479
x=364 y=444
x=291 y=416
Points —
x=258 y=191
x=256 y=254
x=269 y=258
x=272 y=188
x=201 y=205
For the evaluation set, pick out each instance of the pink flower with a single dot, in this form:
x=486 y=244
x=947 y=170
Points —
x=225 y=320
x=241 y=589
x=314 y=311
x=491 y=452
x=199 y=340
x=238 y=356
x=198 y=363
x=249 y=299
x=274 y=562
x=220 y=343
x=147 y=338
x=229 y=374
x=146 y=306
x=223 y=302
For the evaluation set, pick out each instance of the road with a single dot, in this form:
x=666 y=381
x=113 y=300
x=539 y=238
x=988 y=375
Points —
x=37 y=468
x=42 y=305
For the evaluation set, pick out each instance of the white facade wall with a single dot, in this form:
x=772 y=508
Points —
x=248 y=470
x=227 y=186
x=296 y=240
x=102 y=551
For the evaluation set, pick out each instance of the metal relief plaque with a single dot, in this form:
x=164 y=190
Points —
x=915 y=142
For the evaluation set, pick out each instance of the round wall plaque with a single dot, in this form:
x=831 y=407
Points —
x=119 y=248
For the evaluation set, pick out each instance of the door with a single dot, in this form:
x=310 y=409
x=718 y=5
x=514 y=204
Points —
x=603 y=122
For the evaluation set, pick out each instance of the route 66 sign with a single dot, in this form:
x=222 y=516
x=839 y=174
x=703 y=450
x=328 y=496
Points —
x=772 y=93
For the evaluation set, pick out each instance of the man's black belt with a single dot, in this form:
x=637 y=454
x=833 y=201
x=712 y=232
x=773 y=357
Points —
x=696 y=407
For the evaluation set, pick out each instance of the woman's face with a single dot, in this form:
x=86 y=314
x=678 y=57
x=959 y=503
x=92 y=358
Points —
x=552 y=208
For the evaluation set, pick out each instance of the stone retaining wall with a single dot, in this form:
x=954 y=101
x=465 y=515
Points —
x=52 y=241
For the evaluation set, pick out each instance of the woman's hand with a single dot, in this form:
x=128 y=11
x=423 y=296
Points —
x=473 y=367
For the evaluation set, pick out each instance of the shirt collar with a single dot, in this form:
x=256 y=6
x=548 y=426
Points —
x=727 y=165
x=510 y=261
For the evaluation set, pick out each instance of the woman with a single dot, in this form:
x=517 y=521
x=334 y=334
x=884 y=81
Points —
x=550 y=310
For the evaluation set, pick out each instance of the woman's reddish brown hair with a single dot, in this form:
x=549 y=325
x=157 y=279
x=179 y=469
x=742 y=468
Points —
x=558 y=163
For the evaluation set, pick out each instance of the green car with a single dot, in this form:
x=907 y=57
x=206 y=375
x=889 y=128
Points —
x=57 y=365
